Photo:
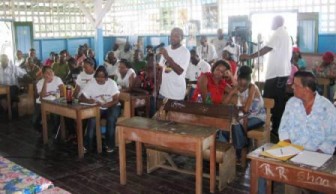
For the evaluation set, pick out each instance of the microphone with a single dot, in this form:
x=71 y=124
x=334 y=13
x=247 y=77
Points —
x=158 y=46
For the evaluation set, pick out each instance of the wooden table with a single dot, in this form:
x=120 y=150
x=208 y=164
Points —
x=184 y=137
x=6 y=90
x=321 y=179
x=133 y=96
x=74 y=111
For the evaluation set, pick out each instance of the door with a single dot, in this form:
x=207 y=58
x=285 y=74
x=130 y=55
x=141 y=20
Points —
x=23 y=36
x=308 y=32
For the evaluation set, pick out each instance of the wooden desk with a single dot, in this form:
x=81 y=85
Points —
x=74 y=111
x=187 y=138
x=132 y=97
x=6 y=90
x=321 y=179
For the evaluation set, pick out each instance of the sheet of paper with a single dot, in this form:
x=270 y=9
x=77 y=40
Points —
x=284 y=151
x=88 y=104
x=311 y=158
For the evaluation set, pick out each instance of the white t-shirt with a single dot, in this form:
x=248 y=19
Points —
x=207 y=53
x=234 y=50
x=126 y=55
x=219 y=46
x=82 y=80
x=124 y=82
x=278 y=61
x=101 y=93
x=173 y=86
x=111 y=69
x=52 y=88
x=194 y=71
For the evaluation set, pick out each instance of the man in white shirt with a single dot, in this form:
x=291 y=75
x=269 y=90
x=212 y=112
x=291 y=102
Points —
x=174 y=62
x=219 y=43
x=279 y=48
x=195 y=68
x=9 y=75
x=207 y=51
x=20 y=60
x=126 y=53
x=233 y=48
x=111 y=64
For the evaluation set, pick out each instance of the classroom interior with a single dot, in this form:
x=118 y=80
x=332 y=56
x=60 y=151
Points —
x=54 y=157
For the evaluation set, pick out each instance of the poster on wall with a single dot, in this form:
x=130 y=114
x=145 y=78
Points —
x=210 y=16
x=192 y=29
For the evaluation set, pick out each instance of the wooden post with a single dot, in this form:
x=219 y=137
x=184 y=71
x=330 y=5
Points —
x=139 y=163
x=80 y=135
x=199 y=167
x=253 y=177
x=213 y=164
x=44 y=124
x=122 y=156
x=98 y=132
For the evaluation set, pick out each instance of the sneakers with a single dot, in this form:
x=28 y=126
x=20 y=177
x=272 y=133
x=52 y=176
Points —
x=108 y=149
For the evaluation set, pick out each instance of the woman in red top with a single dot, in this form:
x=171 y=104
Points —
x=213 y=85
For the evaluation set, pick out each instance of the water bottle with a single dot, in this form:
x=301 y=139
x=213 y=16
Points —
x=68 y=94
x=199 y=98
x=208 y=99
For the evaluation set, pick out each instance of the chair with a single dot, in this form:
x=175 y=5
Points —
x=261 y=135
x=325 y=82
x=26 y=104
x=261 y=86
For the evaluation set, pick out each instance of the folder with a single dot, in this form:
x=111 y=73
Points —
x=282 y=151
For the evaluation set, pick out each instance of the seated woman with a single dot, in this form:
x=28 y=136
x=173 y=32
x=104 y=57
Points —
x=125 y=76
x=84 y=77
x=102 y=91
x=252 y=105
x=212 y=85
x=144 y=83
x=297 y=59
x=49 y=87
x=74 y=71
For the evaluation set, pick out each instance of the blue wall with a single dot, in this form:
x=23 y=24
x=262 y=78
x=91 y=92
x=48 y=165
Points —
x=326 y=42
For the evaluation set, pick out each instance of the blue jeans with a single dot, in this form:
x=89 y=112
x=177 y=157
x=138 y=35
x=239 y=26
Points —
x=239 y=137
x=111 y=114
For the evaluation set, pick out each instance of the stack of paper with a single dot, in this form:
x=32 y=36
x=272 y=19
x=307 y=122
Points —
x=311 y=158
x=284 y=151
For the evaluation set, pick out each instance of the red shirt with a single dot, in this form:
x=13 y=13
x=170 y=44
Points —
x=216 y=90
x=233 y=65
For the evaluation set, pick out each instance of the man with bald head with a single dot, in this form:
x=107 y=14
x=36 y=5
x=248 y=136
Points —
x=174 y=62
x=278 y=68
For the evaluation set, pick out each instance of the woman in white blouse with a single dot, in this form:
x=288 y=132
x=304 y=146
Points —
x=125 y=76
x=102 y=91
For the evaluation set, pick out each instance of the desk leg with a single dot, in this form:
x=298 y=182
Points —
x=213 y=165
x=122 y=156
x=80 y=135
x=98 y=132
x=268 y=186
x=139 y=163
x=9 y=103
x=254 y=177
x=44 y=124
x=62 y=128
x=199 y=167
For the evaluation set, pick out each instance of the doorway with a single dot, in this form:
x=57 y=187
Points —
x=6 y=39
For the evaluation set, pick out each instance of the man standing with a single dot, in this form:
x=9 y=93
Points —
x=20 y=60
x=278 y=68
x=174 y=62
x=206 y=51
x=219 y=43
x=195 y=68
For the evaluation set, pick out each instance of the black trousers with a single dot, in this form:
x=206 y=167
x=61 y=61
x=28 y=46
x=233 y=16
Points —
x=275 y=88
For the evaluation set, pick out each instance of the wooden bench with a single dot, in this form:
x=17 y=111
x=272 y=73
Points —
x=219 y=116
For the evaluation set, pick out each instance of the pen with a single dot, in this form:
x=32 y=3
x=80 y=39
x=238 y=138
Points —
x=281 y=151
